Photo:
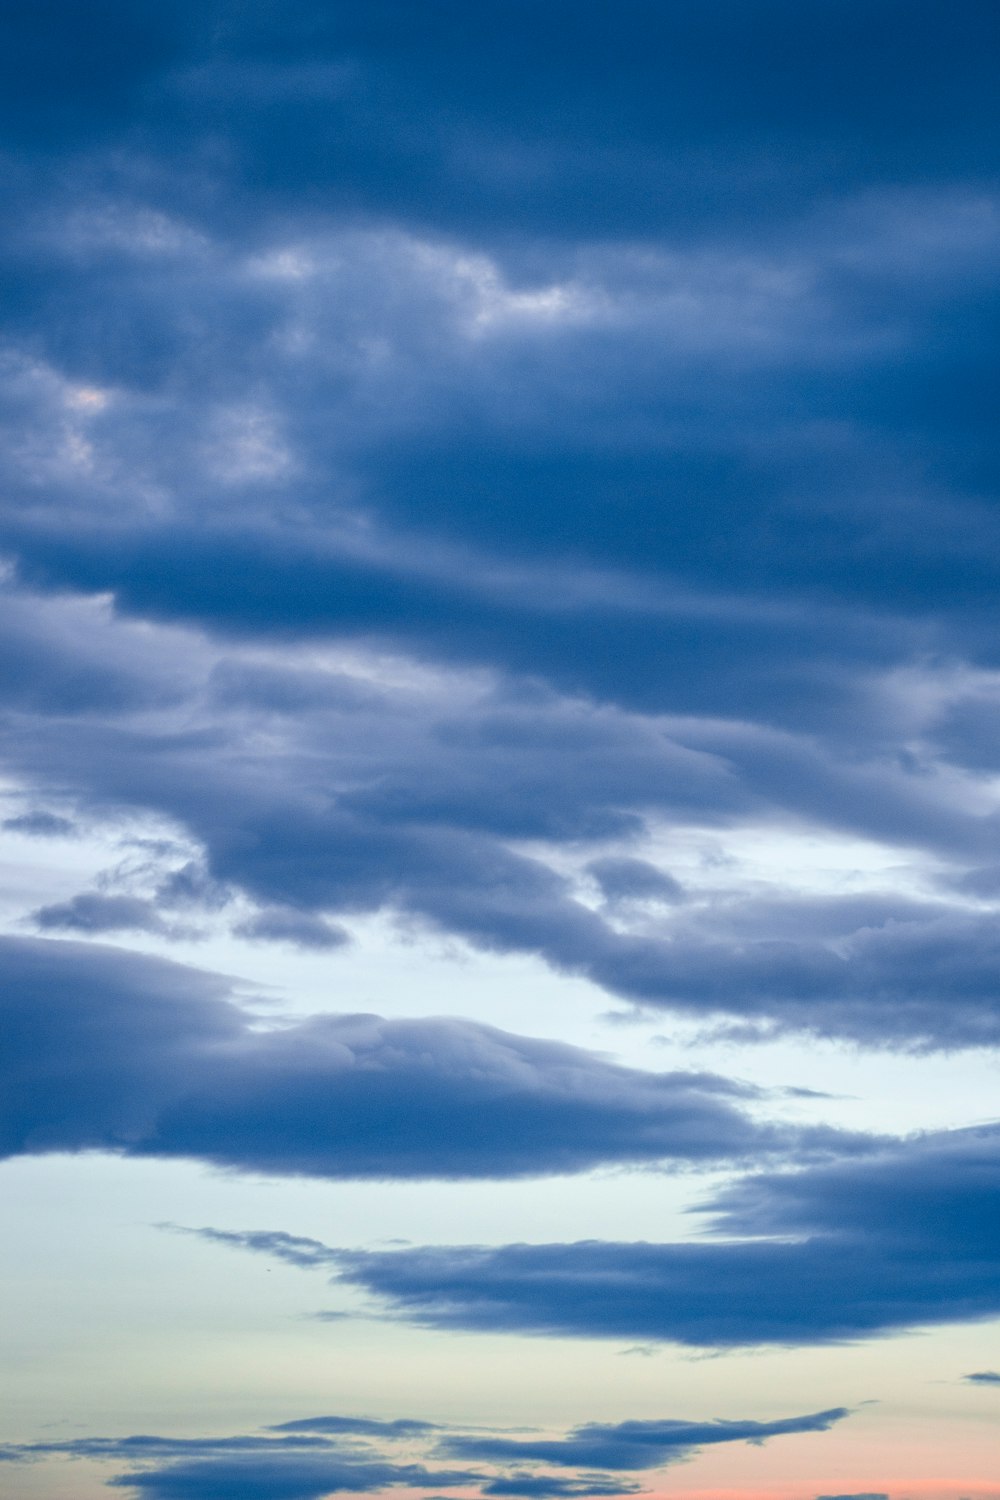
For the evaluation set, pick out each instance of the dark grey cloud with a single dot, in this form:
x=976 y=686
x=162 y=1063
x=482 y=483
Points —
x=111 y=1050
x=726 y=353
x=269 y=1476
x=635 y=1445
x=442 y=563
x=886 y=972
x=839 y=1251
x=682 y=384
x=704 y=1296
x=983 y=1377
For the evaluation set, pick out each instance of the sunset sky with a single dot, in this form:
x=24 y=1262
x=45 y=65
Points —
x=500 y=731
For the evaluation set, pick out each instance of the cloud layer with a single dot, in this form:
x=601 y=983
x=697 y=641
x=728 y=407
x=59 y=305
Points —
x=572 y=468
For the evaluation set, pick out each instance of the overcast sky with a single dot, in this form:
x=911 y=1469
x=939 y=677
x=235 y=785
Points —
x=500 y=733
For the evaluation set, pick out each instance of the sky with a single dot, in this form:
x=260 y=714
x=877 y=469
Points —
x=499 y=750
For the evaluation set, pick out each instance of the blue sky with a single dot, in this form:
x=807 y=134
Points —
x=500 y=788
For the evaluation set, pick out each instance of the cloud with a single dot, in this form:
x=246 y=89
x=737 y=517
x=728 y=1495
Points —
x=295 y=1249
x=112 y=1050
x=304 y=1460
x=625 y=879
x=93 y=912
x=289 y=1466
x=278 y=1477
x=839 y=1251
x=886 y=973
x=983 y=1377
x=40 y=824
x=277 y=924
x=636 y=1445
